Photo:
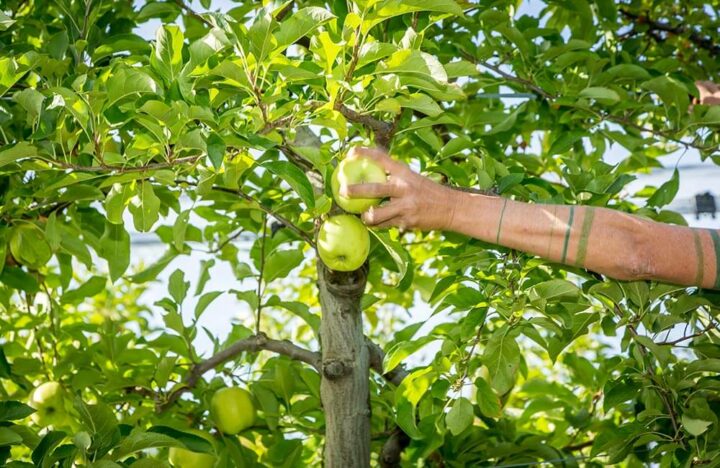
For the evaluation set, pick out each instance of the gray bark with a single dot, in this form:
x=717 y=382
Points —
x=345 y=369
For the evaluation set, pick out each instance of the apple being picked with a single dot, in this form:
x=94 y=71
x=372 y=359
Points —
x=356 y=170
x=232 y=409
x=343 y=243
x=49 y=401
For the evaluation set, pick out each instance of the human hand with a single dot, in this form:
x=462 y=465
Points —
x=416 y=202
x=709 y=92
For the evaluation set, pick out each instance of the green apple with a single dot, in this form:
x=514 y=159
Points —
x=353 y=171
x=50 y=403
x=232 y=409
x=343 y=243
x=183 y=458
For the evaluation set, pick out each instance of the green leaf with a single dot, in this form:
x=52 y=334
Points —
x=421 y=103
x=153 y=270
x=672 y=93
x=400 y=351
x=693 y=426
x=9 y=437
x=100 y=422
x=180 y=229
x=192 y=442
x=487 y=400
x=19 y=151
x=91 y=287
x=295 y=177
x=390 y=8
x=116 y=201
x=262 y=41
x=204 y=301
x=397 y=252
x=299 y=24
x=414 y=62
x=216 y=150
x=280 y=262
x=144 y=207
x=460 y=416
x=43 y=450
x=617 y=392
x=115 y=248
x=125 y=82
x=139 y=440
x=666 y=192
x=600 y=94
x=204 y=276
x=132 y=43
x=5 y=21
x=167 y=57
x=29 y=246
x=31 y=100
x=207 y=46
x=373 y=51
x=556 y=289
x=177 y=286
x=502 y=359
x=57 y=45
x=16 y=278
x=11 y=410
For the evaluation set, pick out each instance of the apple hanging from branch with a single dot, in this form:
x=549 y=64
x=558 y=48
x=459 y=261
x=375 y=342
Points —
x=343 y=242
x=232 y=410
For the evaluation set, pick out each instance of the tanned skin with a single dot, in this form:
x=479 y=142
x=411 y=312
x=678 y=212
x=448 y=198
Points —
x=616 y=244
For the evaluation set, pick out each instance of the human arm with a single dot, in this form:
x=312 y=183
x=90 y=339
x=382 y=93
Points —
x=619 y=245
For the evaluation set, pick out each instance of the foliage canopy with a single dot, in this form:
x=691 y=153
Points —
x=229 y=120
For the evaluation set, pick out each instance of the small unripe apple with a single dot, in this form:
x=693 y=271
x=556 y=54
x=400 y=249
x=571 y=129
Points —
x=353 y=171
x=343 y=243
x=232 y=409
x=183 y=458
x=49 y=401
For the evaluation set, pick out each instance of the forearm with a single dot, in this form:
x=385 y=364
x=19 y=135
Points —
x=613 y=243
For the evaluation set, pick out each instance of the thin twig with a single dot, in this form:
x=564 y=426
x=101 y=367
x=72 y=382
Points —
x=190 y=12
x=710 y=327
x=251 y=344
x=702 y=42
x=126 y=169
x=260 y=275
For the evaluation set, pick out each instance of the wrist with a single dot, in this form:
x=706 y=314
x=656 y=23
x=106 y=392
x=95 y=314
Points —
x=451 y=209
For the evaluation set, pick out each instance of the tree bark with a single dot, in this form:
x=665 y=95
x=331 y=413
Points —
x=345 y=369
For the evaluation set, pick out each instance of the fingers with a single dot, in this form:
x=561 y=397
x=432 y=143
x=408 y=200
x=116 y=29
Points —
x=377 y=155
x=708 y=86
x=377 y=215
x=393 y=222
x=369 y=190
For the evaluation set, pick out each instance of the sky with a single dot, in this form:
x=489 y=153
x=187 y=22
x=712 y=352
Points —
x=695 y=177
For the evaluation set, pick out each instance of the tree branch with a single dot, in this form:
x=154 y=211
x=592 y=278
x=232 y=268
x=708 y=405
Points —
x=392 y=450
x=700 y=41
x=383 y=130
x=251 y=344
x=126 y=169
x=190 y=12
x=710 y=327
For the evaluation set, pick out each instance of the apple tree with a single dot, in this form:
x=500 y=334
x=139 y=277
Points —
x=229 y=123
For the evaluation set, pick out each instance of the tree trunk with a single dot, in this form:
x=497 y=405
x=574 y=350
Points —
x=345 y=369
